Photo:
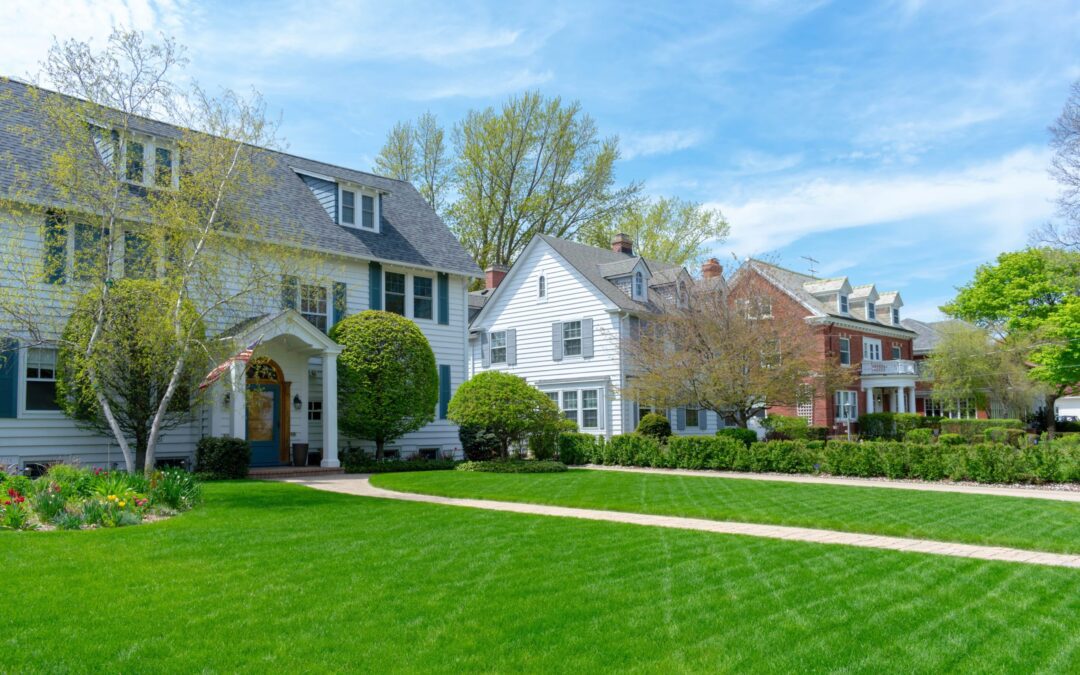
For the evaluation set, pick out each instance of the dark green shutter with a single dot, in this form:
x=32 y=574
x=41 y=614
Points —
x=374 y=285
x=290 y=287
x=55 y=237
x=444 y=298
x=444 y=390
x=340 y=301
x=9 y=377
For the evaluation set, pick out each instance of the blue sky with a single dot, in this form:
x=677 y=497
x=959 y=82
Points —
x=900 y=143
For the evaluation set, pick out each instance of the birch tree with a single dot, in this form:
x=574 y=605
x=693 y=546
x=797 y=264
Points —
x=94 y=204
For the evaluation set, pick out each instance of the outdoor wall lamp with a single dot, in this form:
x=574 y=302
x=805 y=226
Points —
x=296 y=402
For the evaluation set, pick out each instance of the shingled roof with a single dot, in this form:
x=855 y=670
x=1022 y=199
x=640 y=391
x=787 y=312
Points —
x=410 y=231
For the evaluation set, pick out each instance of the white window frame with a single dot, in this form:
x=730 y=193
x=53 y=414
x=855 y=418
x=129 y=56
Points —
x=846 y=405
x=541 y=288
x=559 y=396
x=411 y=292
x=964 y=409
x=359 y=193
x=404 y=291
x=842 y=304
x=567 y=340
x=843 y=347
x=871 y=349
x=639 y=285
x=24 y=364
x=324 y=302
x=584 y=408
x=896 y=352
x=895 y=316
x=567 y=409
x=500 y=337
x=341 y=206
x=150 y=145
x=871 y=311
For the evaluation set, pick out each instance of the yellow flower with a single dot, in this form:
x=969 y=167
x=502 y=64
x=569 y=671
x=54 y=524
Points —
x=122 y=504
x=112 y=498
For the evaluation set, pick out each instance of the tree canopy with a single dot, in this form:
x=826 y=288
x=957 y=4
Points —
x=388 y=383
x=668 y=229
x=416 y=152
x=503 y=405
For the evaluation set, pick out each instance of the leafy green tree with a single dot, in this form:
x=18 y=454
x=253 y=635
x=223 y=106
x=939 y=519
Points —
x=131 y=358
x=668 y=229
x=533 y=166
x=1031 y=295
x=504 y=405
x=416 y=152
x=388 y=384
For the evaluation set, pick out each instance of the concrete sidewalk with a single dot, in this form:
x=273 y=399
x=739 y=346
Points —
x=998 y=490
x=358 y=484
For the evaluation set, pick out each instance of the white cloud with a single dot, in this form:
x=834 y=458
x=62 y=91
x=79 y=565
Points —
x=494 y=84
x=633 y=145
x=994 y=203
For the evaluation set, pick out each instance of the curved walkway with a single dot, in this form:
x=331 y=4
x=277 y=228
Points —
x=358 y=484
x=999 y=490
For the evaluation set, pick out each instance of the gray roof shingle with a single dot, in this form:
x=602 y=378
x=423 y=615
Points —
x=410 y=231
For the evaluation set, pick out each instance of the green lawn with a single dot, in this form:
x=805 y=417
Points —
x=976 y=519
x=272 y=577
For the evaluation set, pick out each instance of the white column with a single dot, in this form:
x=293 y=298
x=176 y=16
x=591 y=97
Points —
x=869 y=400
x=901 y=399
x=329 y=411
x=238 y=413
x=911 y=399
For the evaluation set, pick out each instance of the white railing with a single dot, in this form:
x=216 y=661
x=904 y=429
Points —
x=894 y=367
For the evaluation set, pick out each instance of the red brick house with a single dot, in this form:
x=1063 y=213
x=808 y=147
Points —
x=927 y=336
x=857 y=326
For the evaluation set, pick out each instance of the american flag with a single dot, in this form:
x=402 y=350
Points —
x=242 y=357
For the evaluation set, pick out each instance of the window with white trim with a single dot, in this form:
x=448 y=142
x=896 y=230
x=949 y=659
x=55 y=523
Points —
x=590 y=409
x=367 y=212
x=845 y=351
x=41 y=379
x=871 y=311
x=571 y=333
x=842 y=301
x=498 y=346
x=541 y=288
x=897 y=352
x=580 y=405
x=871 y=349
x=896 y=316
x=313 y=305
x=958 y=409
x=394 y=296
x=422 y=297
x=570 y=405
x=847 y=406
x=348 y=207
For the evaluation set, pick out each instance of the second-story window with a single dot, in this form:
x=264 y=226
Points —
x=348 y=207
x=422 y=303
x=871 y=349
x=498 y=347
x=896 y=317
x=395 y=293
x=163 y=171
x=572 y=338
x=871 y=311
x=133 y=166
x=639 y=285
x=367 y=204
x=897 y=353
x=845 y=351
x=313 y=305
x=843 y=304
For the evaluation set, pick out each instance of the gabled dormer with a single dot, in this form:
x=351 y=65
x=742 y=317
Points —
x=833 y=293
x=137 y=158
x=631 y=275
x=862 y=300
x=888 y=308
x=350 y=204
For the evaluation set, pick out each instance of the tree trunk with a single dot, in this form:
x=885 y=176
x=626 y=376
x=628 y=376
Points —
x=379 y=444
x=1051 y=417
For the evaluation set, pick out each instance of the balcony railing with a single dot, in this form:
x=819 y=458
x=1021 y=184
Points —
x=894 y=367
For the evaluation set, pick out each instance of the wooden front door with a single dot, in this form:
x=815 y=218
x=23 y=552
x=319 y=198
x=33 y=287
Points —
x=267 y=413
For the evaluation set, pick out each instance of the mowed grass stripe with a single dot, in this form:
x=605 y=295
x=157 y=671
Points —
x=1032 y=524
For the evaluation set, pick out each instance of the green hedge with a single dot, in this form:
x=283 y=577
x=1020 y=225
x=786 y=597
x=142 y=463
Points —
x=1054 y=462
x=577 y=448
x=513 y=466
x=223 y=458
x=747 y=436
x=973 y=430
x=398 y=466
x=887 y=425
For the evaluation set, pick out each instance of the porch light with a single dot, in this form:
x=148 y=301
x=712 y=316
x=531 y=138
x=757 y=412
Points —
x=296 y=402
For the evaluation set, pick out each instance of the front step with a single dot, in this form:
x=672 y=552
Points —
x=289 y=471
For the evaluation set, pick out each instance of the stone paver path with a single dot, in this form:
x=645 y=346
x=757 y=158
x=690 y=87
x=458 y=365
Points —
x=998 y=490
x=358 y=484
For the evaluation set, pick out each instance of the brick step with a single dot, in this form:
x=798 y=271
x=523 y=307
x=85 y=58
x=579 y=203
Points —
x=287 y=471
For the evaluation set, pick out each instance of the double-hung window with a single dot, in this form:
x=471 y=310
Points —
x=367 y=212
x=313 y=305
x=571 y=338
x=639 y=285
x=163 y=172
x=847 y=406
x=348 y=207
x=541 y=288
x=871 y=311
x=395 y=293
x=570 y=405
x=590 y=409
x=897 y=352
x=498 y=347
x=422 y=297
x=692 y=418
x=41 y=379
x=845 y=351
x=843 y=304
x=895 y=317
x=133 y=167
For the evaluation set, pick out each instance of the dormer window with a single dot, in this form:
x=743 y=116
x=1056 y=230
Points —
x=368 y=212
x=348 y=207
x=871 y=312
x=133 y=166
x=843 y=304
x=896 y=317
x=139 y=159
x=163 y=167
x=639 y=285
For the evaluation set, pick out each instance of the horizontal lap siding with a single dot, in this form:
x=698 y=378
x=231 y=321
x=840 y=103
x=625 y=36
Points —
x=569 y=298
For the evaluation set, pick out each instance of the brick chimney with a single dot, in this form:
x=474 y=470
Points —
x=711 y=269
x=494 y=276
x=622 y=243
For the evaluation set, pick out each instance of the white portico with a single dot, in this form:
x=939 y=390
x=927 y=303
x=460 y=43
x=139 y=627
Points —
x=265 y=401
x=889 y=386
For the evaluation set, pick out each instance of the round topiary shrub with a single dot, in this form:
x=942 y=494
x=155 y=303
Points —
x=655 y=425
x=504 y=406
x=223 y=458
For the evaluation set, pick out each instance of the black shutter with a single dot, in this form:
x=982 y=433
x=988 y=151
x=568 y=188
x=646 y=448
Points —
x=340 y=300
x=444 y=390
x=9 y=377
x=374 y=285
x=290 y=287
x=444 y=298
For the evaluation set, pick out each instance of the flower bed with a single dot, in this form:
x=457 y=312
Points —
x=73 y=498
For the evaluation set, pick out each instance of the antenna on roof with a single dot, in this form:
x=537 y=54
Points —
x=813 y=264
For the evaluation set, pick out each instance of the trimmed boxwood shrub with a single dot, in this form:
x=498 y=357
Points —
x=368 y=465
x=223 y=458
x=1008 y=436
x=747 y=436
x=655 y=425
x=513 y=466
x=705 y=452
x=784 y=428
x=919 y=436
x=951 y=439
x=783 y=457
x=633 y=450
x=973 y=430
x=888 y=425
x=577 y=448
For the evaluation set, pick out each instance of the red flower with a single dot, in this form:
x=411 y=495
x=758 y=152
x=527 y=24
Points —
x=7 y=502
x=12 y=492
